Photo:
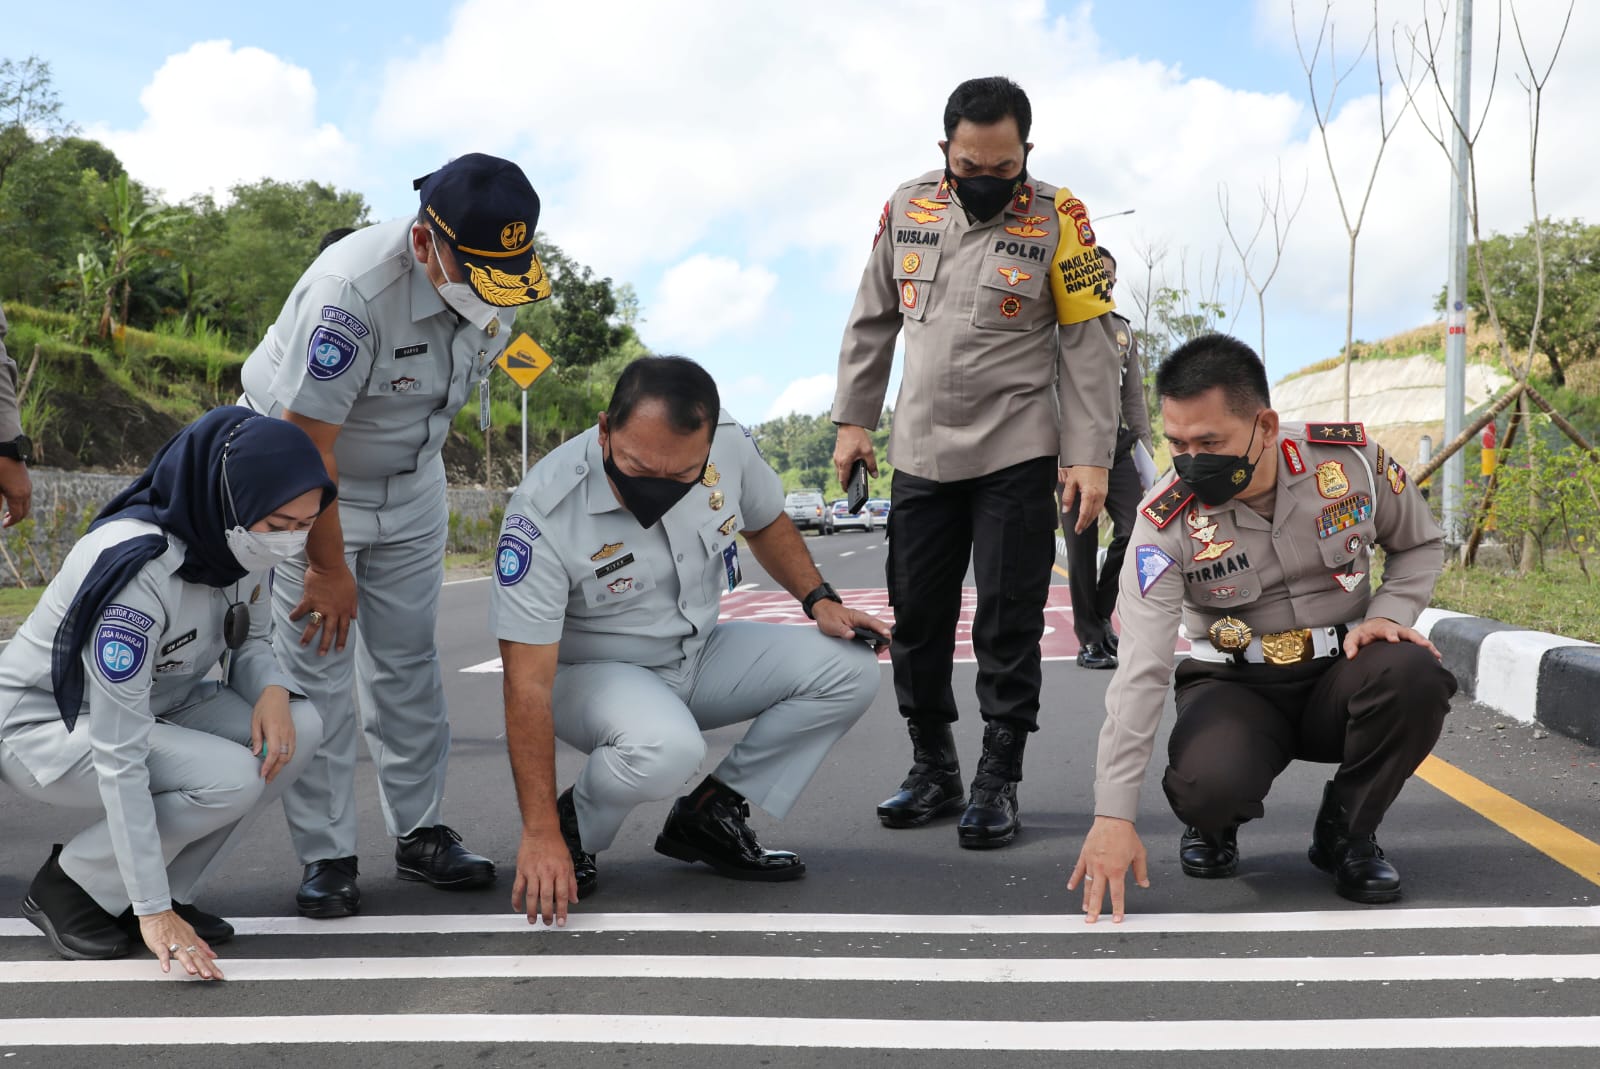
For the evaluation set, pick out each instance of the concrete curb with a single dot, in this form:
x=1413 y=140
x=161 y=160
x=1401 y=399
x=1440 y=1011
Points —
x=1531 y=676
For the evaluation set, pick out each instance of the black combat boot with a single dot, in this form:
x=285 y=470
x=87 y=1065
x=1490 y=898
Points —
x=991 y=818
x=1209 y=857
x=1360 y=871
x=709 y=826
x=933 y=786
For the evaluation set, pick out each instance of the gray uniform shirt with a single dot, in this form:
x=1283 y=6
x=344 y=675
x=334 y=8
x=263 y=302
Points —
x=990 y=379
x=366 y=342
x=10 y=418
x=1190 y=565
x=148 y=652
x=573 y=566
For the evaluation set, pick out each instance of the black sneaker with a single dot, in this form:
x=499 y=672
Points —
x=435 y=855
x=73 y=922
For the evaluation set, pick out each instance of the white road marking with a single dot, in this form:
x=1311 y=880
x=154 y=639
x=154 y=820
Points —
x=1394 y=969
x=1401 y=1033
x=848 y=553
x=1064 y=924
x=458 y=582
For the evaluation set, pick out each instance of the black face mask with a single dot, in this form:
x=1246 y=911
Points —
x=1217 y=477
x=647 y=497
x=984 y=195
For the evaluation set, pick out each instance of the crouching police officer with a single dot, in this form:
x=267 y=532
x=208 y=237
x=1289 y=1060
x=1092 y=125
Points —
x=380 y=344
x=612 y=561
x=1265 y=567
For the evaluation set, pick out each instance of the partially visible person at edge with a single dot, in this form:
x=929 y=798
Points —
x=613 y=559
x=105 y=702
x=1259 y=551
x=382 y=341
x=16 y=452
x=1010 y=381
x=1093 y=585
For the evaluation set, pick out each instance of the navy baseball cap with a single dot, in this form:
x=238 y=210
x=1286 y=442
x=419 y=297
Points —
x=486 y=211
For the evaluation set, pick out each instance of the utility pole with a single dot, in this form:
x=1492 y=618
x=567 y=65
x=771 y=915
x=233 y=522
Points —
x=1455 y=346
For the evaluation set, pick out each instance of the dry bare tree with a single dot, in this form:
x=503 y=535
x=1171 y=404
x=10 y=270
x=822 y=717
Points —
x=1323 y=112
x=1274 y=209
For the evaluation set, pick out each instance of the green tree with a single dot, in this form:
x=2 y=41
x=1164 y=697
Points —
x=132 y=228
x=1569 y=324
x=29 y=109
x=50 y=210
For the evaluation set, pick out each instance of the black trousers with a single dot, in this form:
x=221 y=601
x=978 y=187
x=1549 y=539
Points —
x=1376 y=717
x=1005 y=523
x=1094 y=592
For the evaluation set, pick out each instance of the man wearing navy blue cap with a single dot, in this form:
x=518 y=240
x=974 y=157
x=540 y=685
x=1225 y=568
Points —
x=382 y=341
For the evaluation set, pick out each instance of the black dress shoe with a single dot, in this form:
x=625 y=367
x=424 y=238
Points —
x=1209 y=857
x=73 y=922
x=1095 y=655
x=208 y=926
x=992 y=818
x=328 y=889
x=709 y=826
x=435 y=855
x=584 y=868
x=933 y=786
x=1111 y=640
x=1360 y=871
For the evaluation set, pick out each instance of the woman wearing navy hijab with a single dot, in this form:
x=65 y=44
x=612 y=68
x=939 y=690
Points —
x=105 y=704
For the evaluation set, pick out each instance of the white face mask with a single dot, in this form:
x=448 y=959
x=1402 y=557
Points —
x=256 y=551
x=460 y=296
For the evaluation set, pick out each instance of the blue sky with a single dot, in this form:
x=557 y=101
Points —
x=729 y=159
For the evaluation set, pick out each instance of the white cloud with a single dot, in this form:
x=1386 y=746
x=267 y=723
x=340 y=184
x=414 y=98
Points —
x=705 y=298
x=217 y=116
x=808 y=396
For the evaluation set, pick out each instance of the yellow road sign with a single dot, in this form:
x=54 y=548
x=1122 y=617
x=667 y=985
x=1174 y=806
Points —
x=524 y=361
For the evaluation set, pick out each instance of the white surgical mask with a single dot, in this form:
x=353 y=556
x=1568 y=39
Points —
x=460 y=296
x=256 y=551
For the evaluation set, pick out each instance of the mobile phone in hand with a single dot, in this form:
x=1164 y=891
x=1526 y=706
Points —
x=870 y=637
x=856 y=492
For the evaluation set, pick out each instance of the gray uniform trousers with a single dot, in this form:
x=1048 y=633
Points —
x=394 y=536
x=206 y=785
x=801 y=690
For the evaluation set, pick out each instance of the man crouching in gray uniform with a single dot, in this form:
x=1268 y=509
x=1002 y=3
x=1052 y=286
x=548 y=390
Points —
x=611 y=564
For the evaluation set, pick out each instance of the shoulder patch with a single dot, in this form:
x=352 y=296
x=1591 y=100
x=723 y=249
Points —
x=515 y=551
x=329 y=354
x=334 y=314
x=1153 y=563
x=883 y=224
x=122 y=614
x=118 y=652
x=1163 y=509
x=1291 y=457
x=1336 y=433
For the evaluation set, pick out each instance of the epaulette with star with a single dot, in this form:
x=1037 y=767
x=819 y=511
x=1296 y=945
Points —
x=1164 y=508
x=1336 y=433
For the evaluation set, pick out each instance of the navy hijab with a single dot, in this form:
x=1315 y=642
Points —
x=270 y=462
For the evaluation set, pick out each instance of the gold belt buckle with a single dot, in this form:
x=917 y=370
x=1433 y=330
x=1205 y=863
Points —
x=1287 y=647
x=1230 y=635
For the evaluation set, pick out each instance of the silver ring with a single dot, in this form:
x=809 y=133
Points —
x=1088 y=879
x=283 y=749
x=172 y=948
x=190 y=950
x=316 y=618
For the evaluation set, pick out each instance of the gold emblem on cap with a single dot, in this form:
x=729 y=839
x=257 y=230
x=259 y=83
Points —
x=513 y=234
x=717 y=500
x=712 y=476
x=1230 y=635
x=502 y=289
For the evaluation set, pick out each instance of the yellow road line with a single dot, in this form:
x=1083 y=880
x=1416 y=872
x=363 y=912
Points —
x=1062 y=572
x=1554 y=840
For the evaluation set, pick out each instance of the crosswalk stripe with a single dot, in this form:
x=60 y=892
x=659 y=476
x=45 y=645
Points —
x=1063 y=924
x=1400 y=1033
x=1410 y=968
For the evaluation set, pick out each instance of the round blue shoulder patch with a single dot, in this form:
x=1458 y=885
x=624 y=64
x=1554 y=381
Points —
x=511 y=560
x=329 y=354
x=119 y=651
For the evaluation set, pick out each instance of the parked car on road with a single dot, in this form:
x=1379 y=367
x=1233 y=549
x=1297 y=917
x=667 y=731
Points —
x=861 y=521
x=809 y=511
x=879 y=507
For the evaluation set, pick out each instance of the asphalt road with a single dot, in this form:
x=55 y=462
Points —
x=897 y=948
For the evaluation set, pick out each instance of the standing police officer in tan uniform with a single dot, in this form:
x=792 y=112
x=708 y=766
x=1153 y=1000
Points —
x=1010 y=379
x=1260 y=550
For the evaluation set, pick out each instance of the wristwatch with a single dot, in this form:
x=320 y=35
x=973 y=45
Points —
x=19 y=448
x=825 y=592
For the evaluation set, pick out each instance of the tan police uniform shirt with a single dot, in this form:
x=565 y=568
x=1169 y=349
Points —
x=1135 y=414
x=980 y=389
x=1308 y=566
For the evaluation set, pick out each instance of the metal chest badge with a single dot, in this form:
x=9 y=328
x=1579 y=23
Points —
x=717 y=500
x=712 y=476
x=1203 y=529
x=1332 y=482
